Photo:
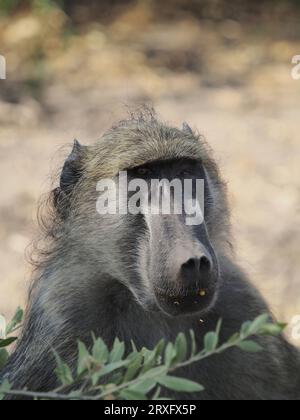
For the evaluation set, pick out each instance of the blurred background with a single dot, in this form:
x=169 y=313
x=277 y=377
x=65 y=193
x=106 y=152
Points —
x=225 y=67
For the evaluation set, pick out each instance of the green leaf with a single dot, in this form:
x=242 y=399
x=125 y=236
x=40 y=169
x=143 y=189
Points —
x=193 y=343
x=63 y=371
x=100 y=351
x=3 y=357
x=144 y=386
x=219 y=326
x=272 y=329
x=117 y=377
x=111 y=367
x=149 y=380
x=133 y=355
x=4 y=388
x=95 y=377
x=159 y=348
x=7 y=342
x=133 y=346
x=245 y=330
x=234 y=338
x=179 y=384
x=181 y=347
x=84 y=359
x=150 y=359
x=282 y=325
x=17 y=319
x=155 y=372
x=133 y=367
x=117 y=352
x=211 y=342
x=258 y=323
x=133 y=395
x=170 y=354
x=250 y=346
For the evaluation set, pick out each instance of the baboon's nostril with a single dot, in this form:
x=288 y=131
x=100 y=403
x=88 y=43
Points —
x=196 y=269
x=190 y=265
x=204 y=264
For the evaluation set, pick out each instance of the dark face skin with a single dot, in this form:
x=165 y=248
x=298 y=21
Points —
x=179 y=264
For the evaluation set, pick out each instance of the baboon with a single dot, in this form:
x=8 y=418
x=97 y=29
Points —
x=137 y=277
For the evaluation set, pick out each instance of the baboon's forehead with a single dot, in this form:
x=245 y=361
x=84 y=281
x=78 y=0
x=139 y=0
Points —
x=135 y=145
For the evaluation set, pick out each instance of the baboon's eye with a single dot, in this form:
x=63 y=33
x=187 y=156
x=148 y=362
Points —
x=187 y=173
x=144 y=172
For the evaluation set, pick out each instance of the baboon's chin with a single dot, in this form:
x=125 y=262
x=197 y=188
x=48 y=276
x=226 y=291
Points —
x=180 y=305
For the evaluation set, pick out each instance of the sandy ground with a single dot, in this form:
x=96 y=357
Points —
x=242 y=99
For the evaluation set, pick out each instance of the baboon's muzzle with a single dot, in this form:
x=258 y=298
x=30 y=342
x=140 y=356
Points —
x=189 y=278
x=195 y=289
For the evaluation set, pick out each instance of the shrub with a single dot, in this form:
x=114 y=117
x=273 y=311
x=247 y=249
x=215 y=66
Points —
x=140 y=375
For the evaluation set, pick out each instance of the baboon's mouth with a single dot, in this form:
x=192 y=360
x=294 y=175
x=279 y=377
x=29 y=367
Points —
x=185 y=302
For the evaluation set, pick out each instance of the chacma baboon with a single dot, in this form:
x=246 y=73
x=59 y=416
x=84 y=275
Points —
x=139 y=276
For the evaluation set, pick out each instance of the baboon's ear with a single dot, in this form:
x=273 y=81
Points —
x=72 y=168
x=186 y=128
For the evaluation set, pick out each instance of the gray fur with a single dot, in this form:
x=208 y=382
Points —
x=187 y=129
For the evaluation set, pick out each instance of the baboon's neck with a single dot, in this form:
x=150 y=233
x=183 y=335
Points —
x=78 y=298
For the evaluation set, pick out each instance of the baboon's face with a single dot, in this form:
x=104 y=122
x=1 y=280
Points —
x=164 y=258
x=168 y=264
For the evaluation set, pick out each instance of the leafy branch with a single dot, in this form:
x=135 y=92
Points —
x=112 y=375
x=6 y=331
